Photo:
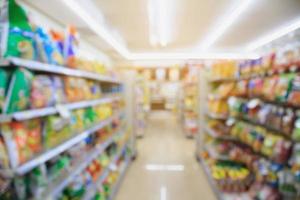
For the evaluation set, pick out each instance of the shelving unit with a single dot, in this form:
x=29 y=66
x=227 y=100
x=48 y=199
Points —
x=95 y=121
x=42 y=112
x=247 y=108
x=55 y=69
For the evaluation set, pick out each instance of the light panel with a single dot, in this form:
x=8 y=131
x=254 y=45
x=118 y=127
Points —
x=225 y=23
x=106 y=35
x=158 y=167
x=163 y=193
x=279 y=32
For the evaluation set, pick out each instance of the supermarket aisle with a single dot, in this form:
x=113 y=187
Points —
x=165 y=146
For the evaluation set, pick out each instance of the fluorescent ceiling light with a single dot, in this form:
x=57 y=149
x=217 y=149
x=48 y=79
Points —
x=106 y=35
x=187 y=56
x=283 y=30
x=163 y=193
x=226 y=22
x=160 y=14
x=157 y=167
x=96 y=27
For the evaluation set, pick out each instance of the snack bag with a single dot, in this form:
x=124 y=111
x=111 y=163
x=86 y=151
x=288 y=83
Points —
x=19 y=91
x=95 y=89
x=34 y=134
x=269 y=85
x=58 y=39
x=294 y=95
x=17 y=36
x=4 y=78
x=59 y=93
x=42 y=92
x=57 y=129
x=46 y=50
x=283 y=87
x=296 y=130
x=4 y=160
x=71 y=41
x=71 y=89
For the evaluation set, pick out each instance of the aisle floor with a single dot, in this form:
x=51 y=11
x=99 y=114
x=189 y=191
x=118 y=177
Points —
x=165 y=168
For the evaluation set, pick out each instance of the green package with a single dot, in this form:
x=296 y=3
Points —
x=4 y=78
x=18 y=91
x=56 y=131
x=17 y=38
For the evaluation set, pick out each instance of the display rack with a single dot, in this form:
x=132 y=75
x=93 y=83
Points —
x=55 y=69
x=98 y=184
x=245 y=107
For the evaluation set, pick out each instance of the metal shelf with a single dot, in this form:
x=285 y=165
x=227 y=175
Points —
x=42 y=112
x=47 y=155
x=55 y=188
x=216 y=116
x=213 y=134
x=91 y=191
x=56 y=69
x=120 y=179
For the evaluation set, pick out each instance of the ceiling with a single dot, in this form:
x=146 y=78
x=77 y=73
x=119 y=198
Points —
x=193 y=21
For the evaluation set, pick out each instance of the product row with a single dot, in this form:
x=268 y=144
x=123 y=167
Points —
x=23 y=38
x=36 y=183
x=236 y=179
x=35 y=136
x=20 y=90
x=259 y=139
x=282 y=60
x=285 y=89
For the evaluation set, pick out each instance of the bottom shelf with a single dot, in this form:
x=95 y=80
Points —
x=123 y=170
x=219 y=194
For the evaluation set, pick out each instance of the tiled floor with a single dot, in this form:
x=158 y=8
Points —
x=165 y=151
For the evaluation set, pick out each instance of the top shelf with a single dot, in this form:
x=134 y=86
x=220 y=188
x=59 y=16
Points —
x=56 y=69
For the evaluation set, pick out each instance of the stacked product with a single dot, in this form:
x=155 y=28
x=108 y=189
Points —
x=141 y=104
x=190 y=101
x=62 y=127
x=253 y=118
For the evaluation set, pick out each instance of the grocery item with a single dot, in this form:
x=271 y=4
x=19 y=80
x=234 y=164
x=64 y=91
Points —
x=18 y=91
x=18 y=39
x=4 y=79
x=27 y=138
x=70 y=46
x=294 y=95
x=46 y=50
x=42 y=91
x=56 y=130
x=283 y=87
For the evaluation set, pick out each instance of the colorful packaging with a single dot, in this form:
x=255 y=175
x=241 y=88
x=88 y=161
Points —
x=4 y=79
x=283 y=87
x=19 y=91
x=42 y=92
x=57 y=130
x=59 y=92
x=294 y=95
x=17 y=37
x=45 y=48
x=71 y=40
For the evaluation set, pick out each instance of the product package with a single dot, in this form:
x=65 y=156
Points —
x=46 y=50
x=42 y=92
x=4 y=80
x=18 y=39
x=18 y=91
x=56 y=130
